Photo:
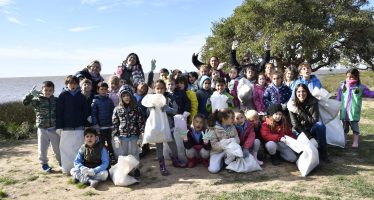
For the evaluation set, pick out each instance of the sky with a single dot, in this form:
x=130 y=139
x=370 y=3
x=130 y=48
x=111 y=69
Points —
x=61 y=37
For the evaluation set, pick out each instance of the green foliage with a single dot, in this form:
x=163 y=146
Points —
x=321 y=32
x=3 y=194
x=331 y=81
x=7 y=181
x=90 y=193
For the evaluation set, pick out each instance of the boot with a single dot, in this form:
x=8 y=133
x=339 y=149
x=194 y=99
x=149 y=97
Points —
x=177 y=163
x=275 y=160
x=323 y=155
x=205 y=162
x=191 y=162
x=93 y=183
x=356 y=138
x=163 y=169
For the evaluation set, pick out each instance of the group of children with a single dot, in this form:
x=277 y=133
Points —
x=92 y=122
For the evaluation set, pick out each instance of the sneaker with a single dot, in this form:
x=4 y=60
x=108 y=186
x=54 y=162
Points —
x=275 y=160
x=93 y=183
x=46 y=168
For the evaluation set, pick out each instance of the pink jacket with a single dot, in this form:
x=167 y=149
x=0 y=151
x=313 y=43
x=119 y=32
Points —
x=258 y=96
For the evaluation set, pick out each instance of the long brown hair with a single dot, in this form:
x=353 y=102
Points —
x=309 y=95
x=272 y=124
x=219 y=115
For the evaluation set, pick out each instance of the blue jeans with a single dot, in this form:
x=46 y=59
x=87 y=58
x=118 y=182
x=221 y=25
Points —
x=318 y=131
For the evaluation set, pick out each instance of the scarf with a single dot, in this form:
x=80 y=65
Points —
x=350 y=82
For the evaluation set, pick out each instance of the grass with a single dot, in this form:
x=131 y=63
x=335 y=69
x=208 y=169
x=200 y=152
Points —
x=32 y=178
x=7 y=181
x=3 y=194
x=90 y=193
x=331 y=82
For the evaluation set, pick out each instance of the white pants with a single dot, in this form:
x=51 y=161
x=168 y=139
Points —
x=76 y=173
x=216 y=162
x=284 y=150
x=70 y=143
x=46 y=137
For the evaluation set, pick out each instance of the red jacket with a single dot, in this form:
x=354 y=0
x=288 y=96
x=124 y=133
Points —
x=275 y=136
x=247 y=139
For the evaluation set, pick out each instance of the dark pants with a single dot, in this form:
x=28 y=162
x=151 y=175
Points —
x=106 y=136
x=319 y=133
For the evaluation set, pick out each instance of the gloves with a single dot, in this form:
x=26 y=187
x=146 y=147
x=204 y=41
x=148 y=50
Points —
x=34 y=92
x=84 y=170
x=235 y=45
x=314 y=142
x=283 y=139
x=245 y=153
x=91 y=172
x=117 y=142
x=89 y=119
x=186 y=114
x=58 y=132
x=153 y=64
x=267 y=45
x=221 y=65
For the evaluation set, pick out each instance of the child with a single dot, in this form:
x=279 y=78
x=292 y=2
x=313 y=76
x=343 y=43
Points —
x=164 y=74
x=221 y=90
x=180 y=97
x=86 y=90
x=350 y=93
x=269 y=69
x=203 y=71
x=273 y=129
x=128 y=125
x=258 y=94
x=195 y=146
x=306 y=77
x=246 y=96
x=171 y=108
x=215 y=76
x=254 y=118
x=221 y=126
x=203 y=95
x=102 y=111
x=290 y=76
x=182 y=84
x=44 y=104
x=233 y=85
x=247 y=136
x=114 y=85
x=92 y=160
x=71 y=117
x=277 y=92
x=131 y=71
x=192 y=81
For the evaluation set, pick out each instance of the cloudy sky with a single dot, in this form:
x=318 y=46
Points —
x=59 y=37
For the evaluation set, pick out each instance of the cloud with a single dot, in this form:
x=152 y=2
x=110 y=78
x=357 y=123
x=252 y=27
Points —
x=15 y=20
x=5 y=3
x=107 y=4
x=81 y=28
x=40 y=20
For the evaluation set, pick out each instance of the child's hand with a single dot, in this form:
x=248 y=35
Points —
x=34 y=92
x=206 y=142
x=267 y=44
x=84 y=170
x=235 y=44
x=206 y=135
x=185 y=138
x=91 y=172
x=153 y=64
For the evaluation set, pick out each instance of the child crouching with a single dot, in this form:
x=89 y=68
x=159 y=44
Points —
x=91 y=161
x=196 y=146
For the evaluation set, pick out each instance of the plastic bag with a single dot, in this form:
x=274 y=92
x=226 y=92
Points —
x=157 y=128
x=245 y=90
x=335 y=133
x=70 y=143
x=219 y=101
x=328 y=108
x=309 y=158
x=180 y=127
x=244 y=165
x=231 y=149
x=119 y=172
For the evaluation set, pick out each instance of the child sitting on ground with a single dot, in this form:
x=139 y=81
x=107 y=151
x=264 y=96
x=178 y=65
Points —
x=196 y=146
x=91 y=161
x=44 y=104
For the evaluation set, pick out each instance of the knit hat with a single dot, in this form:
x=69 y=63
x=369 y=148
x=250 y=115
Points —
x=126 y=89
x=274 y=108
x=202 y=80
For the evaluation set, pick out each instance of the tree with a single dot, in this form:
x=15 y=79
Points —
x=322 y=32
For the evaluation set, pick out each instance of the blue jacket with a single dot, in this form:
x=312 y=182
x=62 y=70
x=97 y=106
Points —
x=311 y=83
x=78 y=162
x=202 y=98
x=72 y=109
x=102 y=111
x=183 y=102
x=274 y=95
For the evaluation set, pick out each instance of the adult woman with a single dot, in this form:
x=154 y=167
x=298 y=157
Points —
x=131 y=71
x=304 y=113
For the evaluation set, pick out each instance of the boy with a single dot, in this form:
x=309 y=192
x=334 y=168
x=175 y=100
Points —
x=102 y=111
x=203 y=94
x=306 y=77
x=44 y=105
x=220 y=90
x=277 y=92
x=71 y=117
x=92 y=160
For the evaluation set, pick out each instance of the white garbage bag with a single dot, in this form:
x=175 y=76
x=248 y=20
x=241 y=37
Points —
x=157 y=128
x=70 y=143
x=335 y=133
x=179 y=132
x=309 y=158
x=219 y=101
x=232 y=149
x=245 y=90
x=244 y=165
x=119 y=172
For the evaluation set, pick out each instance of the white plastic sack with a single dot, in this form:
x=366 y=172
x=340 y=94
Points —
x=157 y=128
x=232 y=149
x=309 y=159
x=70 y=143
x=244 y=165
x=219 y=101
x=335 y=133
x=328 y=108
x=119 y=172
x=245 y=90
x=180 y=126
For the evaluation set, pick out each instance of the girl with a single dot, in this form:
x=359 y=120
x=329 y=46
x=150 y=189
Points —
x=304 y=113
x=114 y=85
x=221 y=126
x=246 y=96
x=290 y=76
x=195 y=146
x=192 y=81
x=180 y=97
x=203 y=94
x=277 y=92
x=233 y=86
x=269 y=69
x=191 y=95
x=171 y=109
x=128 y=125
x=258 y=94
x=131 y=71
x=350 y=93
x=273 y=129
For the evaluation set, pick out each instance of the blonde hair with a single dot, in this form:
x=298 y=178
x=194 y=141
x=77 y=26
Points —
x=85 y=80
x=113 y=79
x=251 y=114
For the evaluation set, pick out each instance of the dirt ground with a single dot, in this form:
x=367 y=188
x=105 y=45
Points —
x=21 y=177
